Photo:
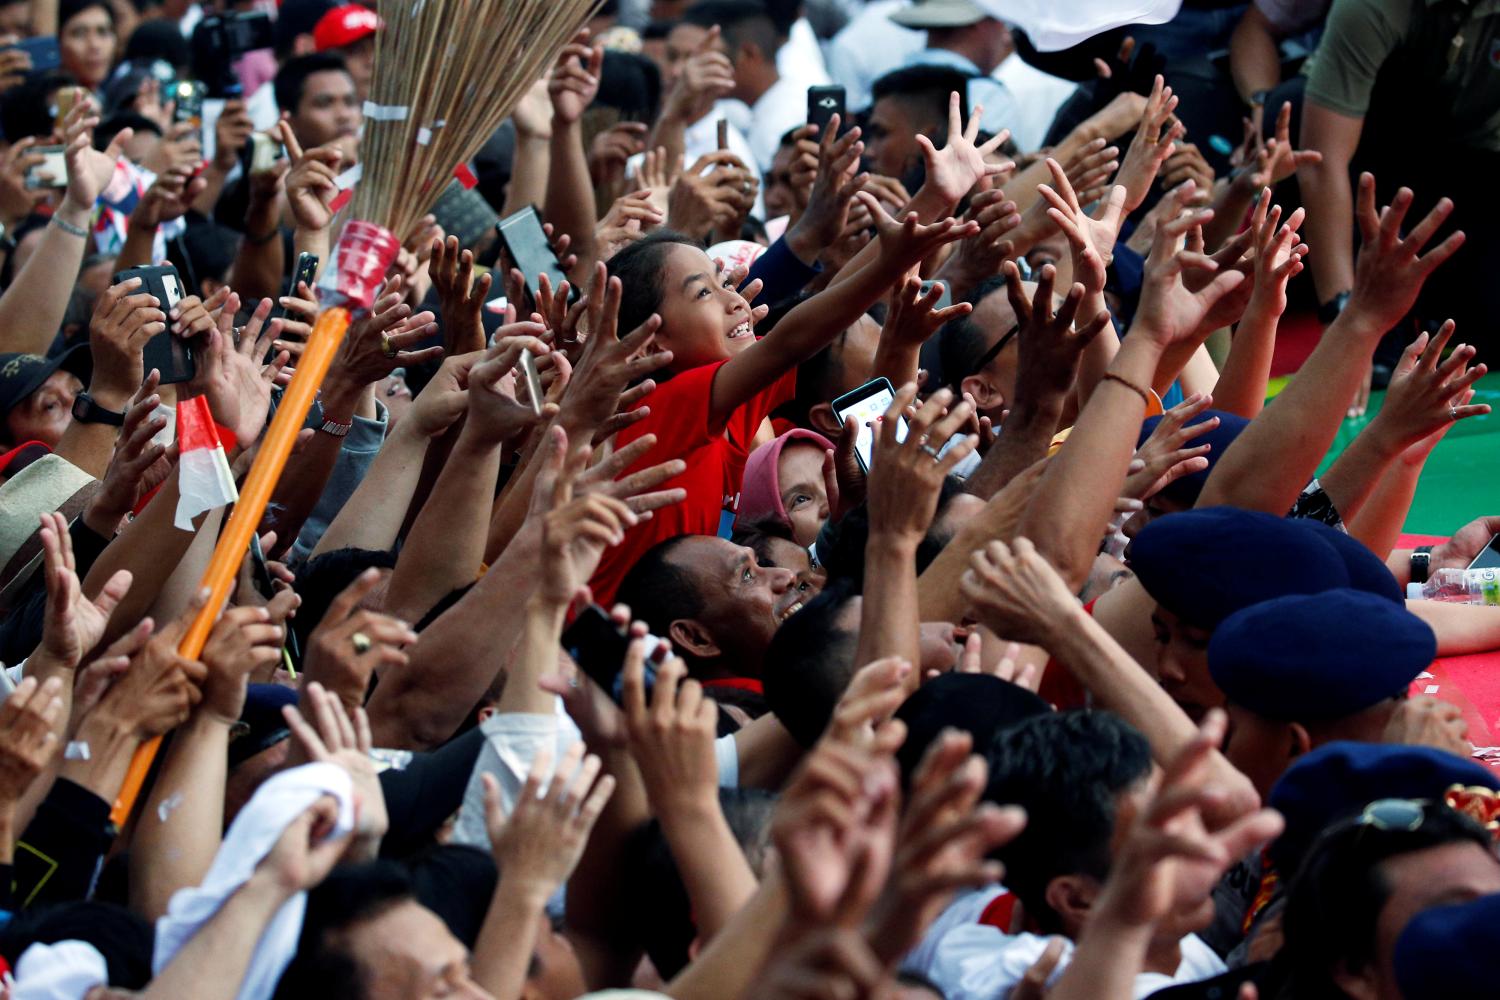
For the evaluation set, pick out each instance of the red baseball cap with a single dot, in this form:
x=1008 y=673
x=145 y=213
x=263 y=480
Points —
x=343 y=26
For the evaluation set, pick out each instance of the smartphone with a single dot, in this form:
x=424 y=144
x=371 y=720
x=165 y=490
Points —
x=187 y=97
x=306 y=270
x=723 y=133
x=867 y=405
x=1489 y=556
x=822 y=104
x=533 y=381
x=167 y=353
x=598 y=647
x=63 y=106
x=529 y=250
x=52 y=172
x=44 y=52
x=260 y=572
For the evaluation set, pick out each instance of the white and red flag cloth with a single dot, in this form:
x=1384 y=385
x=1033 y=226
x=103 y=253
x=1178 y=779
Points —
x=203 y=478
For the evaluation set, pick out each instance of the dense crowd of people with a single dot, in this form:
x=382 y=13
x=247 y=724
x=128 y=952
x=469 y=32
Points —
x=800 y=553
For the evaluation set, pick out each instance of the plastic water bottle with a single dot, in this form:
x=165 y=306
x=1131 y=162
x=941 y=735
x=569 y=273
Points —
x=1463 y=586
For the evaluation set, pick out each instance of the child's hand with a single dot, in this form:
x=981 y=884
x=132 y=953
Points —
x=906 y=242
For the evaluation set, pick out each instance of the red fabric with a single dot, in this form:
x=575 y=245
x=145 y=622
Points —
x=1059 y=688
x=735 y=684
x=1001 y=913
x=195 y=425
x=715 y=458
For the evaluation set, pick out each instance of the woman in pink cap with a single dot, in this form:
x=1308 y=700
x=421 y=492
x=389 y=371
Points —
x=790 y=481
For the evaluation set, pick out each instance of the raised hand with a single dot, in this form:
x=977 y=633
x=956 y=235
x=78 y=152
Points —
x=1152 y=144
x=343 y=738
x=608 y=363
x=1424 y=395
x=460 y=297
x=671 y=733
x=89 y=170
x=135 y=467
x=700 y=202
x=833 y=186
x=124 y=320
x=1168 y=454
x=73 y=625
x=862 y=717
x=823 y=962
x=942 y=843
x=444 y=398
x=628 y=219
x=575 y=78
x=540 y=843
x=1274 y=160
x=1050 y=343
x=706 y=76
x=977 y=258
x=30 y=719
x=161 y=686
x=905 y=242
x=1187 y=164
x=954 y=170
x=914 y=316
x=381 y=342
x=1092 y=239
x=1278 y=254
x=306 y=851
x=1016 y=593
x=351 y=642
x=17 y=201
x=242 y=642
x=230 y=374
x=1170 y=311
x=639 y=489
x=611 y=148
x=907 y=476
x=575 y=530
x=1390 y=268
x=311 y=184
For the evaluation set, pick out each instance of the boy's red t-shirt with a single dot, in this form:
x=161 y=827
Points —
x=715 y=458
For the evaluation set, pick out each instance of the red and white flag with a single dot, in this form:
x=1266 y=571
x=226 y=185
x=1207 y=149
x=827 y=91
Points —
x=203 y=478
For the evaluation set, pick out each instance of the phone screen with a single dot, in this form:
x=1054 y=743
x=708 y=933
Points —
x=599 y=648
x=1489 y=556
x=868 y=411
x=529 y=250
x=52 y=172
x=823 y=103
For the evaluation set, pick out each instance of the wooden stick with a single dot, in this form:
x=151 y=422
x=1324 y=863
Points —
x=229 y=553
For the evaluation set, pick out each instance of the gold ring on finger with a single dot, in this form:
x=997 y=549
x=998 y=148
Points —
x=387 y=347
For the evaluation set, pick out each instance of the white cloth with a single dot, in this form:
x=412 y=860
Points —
x=261 y=106
x=511 y=742
x=727 y=757
x=250 y=838
x=66 y=970
x=1037 y=97
x=780 y=109
x=868 y=47
x=994 y=97
x=1052 y=25
x=966 y=909
x=978 y=962
x=801 y=58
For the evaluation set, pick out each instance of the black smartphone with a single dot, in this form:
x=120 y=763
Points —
x=166 y=352
x=598 y=647
x=867 y=405
x=44 y=52
x=822 y=104
x=188 y=97
x=1489 y=556
x=529 y=250
x=306 y=270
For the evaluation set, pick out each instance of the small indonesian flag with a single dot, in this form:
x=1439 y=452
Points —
x=203 y=479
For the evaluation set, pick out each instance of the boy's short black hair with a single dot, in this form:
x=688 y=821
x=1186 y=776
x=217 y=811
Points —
x=324 y=577
x=25 y=109
x=1066 y=769
x=291 y=78
x=925 y=89
x=810 y=662
x=848 y=537
x=739 y=21
x=350 y=895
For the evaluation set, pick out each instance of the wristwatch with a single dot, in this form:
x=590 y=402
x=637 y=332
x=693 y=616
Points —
x=1333 y=308
x=86 y=411
x=1421 y=563
x=335 y=429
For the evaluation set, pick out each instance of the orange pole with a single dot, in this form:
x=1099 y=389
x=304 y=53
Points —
x=323 y=343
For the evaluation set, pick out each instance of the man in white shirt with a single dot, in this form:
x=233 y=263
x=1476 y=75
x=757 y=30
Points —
x=869 y=47
x=963 y=37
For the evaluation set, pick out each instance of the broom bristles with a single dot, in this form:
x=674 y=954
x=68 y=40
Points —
x=458 y=67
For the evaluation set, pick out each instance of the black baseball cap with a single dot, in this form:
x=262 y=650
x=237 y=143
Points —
x=23 y=374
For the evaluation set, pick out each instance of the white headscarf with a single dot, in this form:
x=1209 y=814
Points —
x=1060 y=24
x=255 y=831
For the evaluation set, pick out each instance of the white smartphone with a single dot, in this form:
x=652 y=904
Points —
x=533 y=381
x=867 y=405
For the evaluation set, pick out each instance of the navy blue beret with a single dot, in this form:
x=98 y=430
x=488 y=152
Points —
x=1319 y=656
x=1339 y=779
x=262 y=725
x=1184 y=491
x=1203 y=565
x=1448 y=951
x=1366 y=570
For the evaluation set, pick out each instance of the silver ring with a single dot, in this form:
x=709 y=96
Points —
x=361 y=643
x=936 y=455
x=1453 y=412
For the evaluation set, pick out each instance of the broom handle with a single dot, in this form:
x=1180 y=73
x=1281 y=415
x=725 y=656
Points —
x=229 y=553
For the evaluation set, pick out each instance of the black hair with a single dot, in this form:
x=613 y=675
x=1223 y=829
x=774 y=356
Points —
x=118 y=122
x=1066 y=769
x=656 y=31
x=639 y=267
x=848 y=537
x=350 y=895
x=160 y=39
x=739 y=21
x=69 y=9
x=810 y=662
x=926 y=88
x=660 y=591
x=917 y=981
x=25 y=109
x=961 y=342
x=291 y=78
x=324 y=577
x=631 y=83
x=1335 y=899
x=124 y=939
x=209 y=249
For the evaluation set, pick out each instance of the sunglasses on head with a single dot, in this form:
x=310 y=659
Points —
x=994 y=352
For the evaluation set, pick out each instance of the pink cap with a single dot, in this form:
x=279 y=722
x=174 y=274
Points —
x=760 y=491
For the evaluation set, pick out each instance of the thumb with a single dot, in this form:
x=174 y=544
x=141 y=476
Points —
x=117 y=145
x=177 y=629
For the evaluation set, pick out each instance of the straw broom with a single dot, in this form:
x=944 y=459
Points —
x=447 y=73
